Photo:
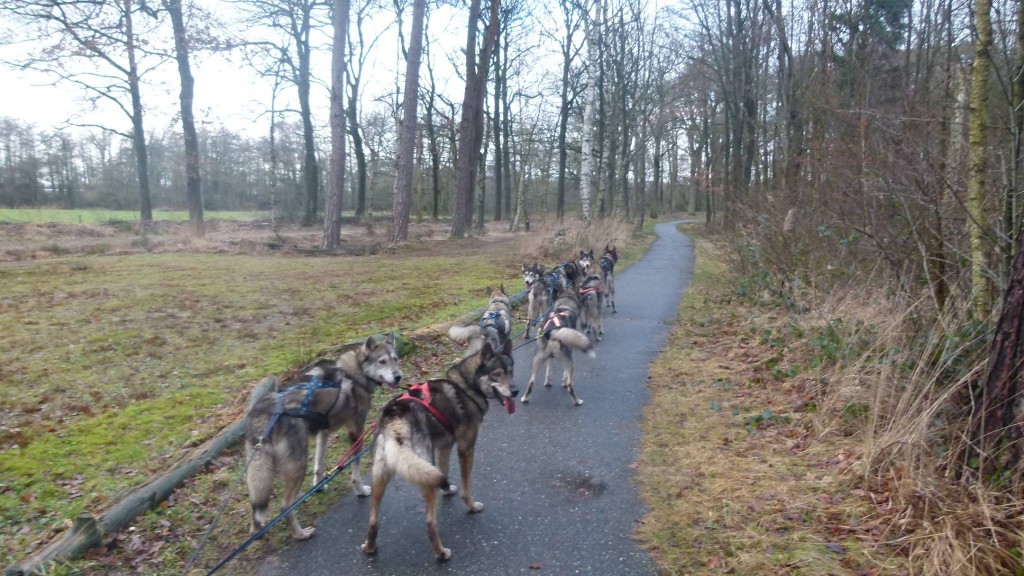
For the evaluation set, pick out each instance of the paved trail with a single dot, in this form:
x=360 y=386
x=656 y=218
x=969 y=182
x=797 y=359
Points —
x=555 y=479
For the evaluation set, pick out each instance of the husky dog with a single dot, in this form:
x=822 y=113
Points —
x=495 y=327
x=585 y=260
x=564 y=276
x=539 y=295
x=558 y=337
x=279 y=426
x=607 y=264
x=591 y=294
x=419 y=429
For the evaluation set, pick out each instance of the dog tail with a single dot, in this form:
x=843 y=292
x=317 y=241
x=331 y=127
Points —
x=574 y=339
x=399 y=456
x=260 y=481
x=463 y=334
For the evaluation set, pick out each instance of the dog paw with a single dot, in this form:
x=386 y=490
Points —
x=361 y=490
x=476 y=507
x=305 y=533
x=524 y=399
x=445 y=554
x=579 y=402
x=367 y=548
x=451 y=490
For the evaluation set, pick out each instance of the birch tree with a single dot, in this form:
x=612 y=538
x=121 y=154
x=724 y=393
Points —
x=977 y=159
x=592 y=31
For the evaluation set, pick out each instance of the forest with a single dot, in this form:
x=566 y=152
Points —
x=860 y=158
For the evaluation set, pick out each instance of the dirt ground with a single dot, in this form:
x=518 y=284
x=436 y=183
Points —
x=27 y=241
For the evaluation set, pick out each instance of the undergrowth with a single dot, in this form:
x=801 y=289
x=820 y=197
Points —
x=895 y=376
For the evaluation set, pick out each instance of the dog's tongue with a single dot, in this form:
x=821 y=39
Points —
x=510 y=404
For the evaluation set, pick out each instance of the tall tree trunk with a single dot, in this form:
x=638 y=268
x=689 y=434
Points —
x=359 y=149
x=310 y=170
x=336 y=185
x=520 y=187
x=407 y=130
x=471 y=124
x=499 y=81
x=506 y=129
x=591 y=32
x=193 y=184
x=998 y=423
x=138 y=131
x=1013 y=211
x=981 y=295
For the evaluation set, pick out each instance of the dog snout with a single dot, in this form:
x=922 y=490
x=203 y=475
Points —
x=397 y=377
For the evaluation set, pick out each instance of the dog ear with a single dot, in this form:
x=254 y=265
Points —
x=390 y=339
x=370 y=343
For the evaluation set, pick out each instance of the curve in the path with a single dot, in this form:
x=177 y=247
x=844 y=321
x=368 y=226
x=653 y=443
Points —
x=556 y=479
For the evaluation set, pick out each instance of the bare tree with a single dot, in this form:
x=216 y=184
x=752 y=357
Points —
x=573 y=17
x=193 y=184
x=359 y=49
x=981 y=297
x=96 y=46
x=471 y=124
x=407 y=128
x=592 y=28
x=336 y=186
x=294 y=20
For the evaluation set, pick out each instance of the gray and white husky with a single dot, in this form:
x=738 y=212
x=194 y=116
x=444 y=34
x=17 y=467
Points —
x=538 y=294
x=591 y=295
x=607 y=264
x=558 y=338
x=328 y=397
x=417 y=431
x=494 y=327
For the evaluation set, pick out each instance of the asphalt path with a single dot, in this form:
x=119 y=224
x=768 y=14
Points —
x=555 y=479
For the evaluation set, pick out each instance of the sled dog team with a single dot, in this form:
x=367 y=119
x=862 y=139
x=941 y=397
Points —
x=416 y=431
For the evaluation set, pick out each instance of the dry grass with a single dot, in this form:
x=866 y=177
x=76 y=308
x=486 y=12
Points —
x=552 y=243
x=734 y=479
x=889 y=379
x=914 y=386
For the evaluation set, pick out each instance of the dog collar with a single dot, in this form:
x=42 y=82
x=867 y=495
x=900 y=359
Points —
x=423 y=398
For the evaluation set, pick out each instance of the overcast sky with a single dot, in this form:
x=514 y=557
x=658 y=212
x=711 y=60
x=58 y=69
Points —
x=226 y=91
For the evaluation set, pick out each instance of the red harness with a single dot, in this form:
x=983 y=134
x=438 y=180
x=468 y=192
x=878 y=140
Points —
x=589 y=290
x=554 y=319
x=424 y=400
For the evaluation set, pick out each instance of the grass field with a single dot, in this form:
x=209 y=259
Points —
x=112 y=365
x=99 y=216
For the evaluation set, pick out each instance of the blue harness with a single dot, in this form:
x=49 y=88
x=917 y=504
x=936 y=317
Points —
x=316 y=419
x=606 y=263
